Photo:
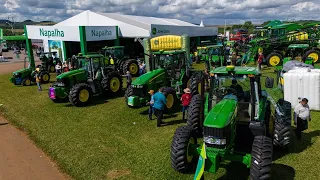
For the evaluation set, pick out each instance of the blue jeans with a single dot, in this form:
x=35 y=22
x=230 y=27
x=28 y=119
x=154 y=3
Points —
x=150 y=112
x=39 y=86
x=184 y=109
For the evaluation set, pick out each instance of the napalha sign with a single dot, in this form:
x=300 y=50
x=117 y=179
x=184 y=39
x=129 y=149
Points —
x=98 y=33
x=51 y=33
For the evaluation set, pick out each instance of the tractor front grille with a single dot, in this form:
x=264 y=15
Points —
x=219 y=133
x=140 y=92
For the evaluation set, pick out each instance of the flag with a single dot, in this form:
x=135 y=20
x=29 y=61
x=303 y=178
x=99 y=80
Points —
x=201 y=163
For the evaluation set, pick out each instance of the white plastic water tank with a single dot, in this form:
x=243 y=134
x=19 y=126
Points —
x=303 y=83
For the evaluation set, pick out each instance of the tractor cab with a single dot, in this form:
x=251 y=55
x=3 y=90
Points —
x=216 y=54
x=298 y=52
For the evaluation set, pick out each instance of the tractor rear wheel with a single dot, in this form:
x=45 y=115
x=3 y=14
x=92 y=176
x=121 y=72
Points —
x=112 y=84
x=45 y=77
x=195 y=83
x=282 y=130
x=183 y=150
x=194 y=114
x=274 y=59
x=80 y=95
x=261 y=158
x=51 y=69
x=314 y=54
x=132 y=66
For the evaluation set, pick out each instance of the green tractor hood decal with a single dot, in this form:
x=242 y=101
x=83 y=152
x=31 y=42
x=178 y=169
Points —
x=143 y=79
x=222 y=113
x=70 y=73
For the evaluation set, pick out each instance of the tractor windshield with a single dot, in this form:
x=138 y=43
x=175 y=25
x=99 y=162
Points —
x=114 y=52
x=166 y=60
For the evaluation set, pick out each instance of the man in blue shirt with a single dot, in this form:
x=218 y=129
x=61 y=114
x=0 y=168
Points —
x=160 y=101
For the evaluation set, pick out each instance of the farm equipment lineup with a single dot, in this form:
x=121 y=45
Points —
x=235 y=124
x=168 y=65
x=93 y=76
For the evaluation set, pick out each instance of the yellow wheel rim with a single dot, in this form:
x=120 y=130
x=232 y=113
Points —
x=114 y=84
x=170 y=101
x=274 y=60
x=314 y=56
x=52 y=69
x=189 y=157
x=27 y=82
x=199 y=88
x=45 y=77
x=84 y=95
x=133 y=68
x=281 y=81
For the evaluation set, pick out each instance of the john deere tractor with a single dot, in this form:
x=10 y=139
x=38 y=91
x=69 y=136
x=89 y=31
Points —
x=233 y=118
x=49 y=61
x=25 y=76
x=168 y=65
x=93 y=77
x=121 y=62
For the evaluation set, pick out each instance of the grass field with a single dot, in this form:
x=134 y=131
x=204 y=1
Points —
x=108 y=140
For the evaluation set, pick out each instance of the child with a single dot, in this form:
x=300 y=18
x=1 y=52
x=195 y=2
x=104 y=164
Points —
x=260 y=59
x=38 y=79
x=151 y=92
x=185 y=99
x=58 y=68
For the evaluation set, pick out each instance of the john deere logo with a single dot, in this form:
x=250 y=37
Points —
x=156 y=42
x=154 y=31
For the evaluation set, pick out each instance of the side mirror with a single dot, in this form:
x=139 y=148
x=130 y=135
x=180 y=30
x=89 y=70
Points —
x=269 y=82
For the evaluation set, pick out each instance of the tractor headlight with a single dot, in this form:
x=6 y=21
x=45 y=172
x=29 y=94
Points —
x=137 y=86
x=17 y=75
x=214 y=140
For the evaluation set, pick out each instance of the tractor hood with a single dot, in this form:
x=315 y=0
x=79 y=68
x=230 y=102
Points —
x=222 y=113
x=71 y=73
x=145 y=78
x=22 y=71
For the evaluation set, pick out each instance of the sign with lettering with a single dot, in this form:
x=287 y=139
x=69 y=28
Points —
x=101 y=33
x=63 y=33
x=169 y=42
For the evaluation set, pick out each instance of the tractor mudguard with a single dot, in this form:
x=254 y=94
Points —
x=258 y=128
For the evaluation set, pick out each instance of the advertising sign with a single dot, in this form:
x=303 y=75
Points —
x=100 y=33
x=169 y=42
x=192 y=31
x=63 y=33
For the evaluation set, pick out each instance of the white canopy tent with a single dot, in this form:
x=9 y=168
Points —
x=138 y=26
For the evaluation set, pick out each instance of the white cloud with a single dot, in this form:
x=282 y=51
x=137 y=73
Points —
x=211 y=11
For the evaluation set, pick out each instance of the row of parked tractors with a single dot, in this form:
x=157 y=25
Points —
x=232 y=126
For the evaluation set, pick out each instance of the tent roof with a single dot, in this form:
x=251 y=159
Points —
x=130 y=26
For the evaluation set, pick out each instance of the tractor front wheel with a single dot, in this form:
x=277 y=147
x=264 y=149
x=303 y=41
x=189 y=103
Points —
x=26 y=81
x=183 y=150
x=112 y=83
x=274 y=59
x=314 y=54
x=45 y=77
x=132 y=66
x=282 y=124
x=80 y=95
x=194 y=114
x=128 y=93
x=261 y=158
x=172 y=100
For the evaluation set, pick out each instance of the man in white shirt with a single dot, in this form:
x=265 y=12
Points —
x=301 y=117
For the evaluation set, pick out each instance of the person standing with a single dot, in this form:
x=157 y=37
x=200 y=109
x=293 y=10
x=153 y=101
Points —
x=301 y=117
x=58 y=68
x=260 y=60
x=185 y=99
x=160 y=101
x=150 y=103
x=142 y=68
x=129 y=78
x=38 y=79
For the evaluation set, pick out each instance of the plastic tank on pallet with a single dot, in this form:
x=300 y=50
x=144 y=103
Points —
x=303 y=83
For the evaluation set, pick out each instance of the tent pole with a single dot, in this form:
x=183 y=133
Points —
x=29 y=49
x=64 y=51
x=117 y=41
x=83 y=40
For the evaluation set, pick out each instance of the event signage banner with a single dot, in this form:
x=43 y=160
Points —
x=192 y=31
x=100 y=33
x=63 y=33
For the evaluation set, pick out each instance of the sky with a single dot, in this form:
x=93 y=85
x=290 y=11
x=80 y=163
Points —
x=212 y=12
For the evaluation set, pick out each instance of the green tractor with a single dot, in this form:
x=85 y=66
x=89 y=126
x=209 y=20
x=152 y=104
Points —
x=168 y=65
x=25 y=76
x=93 y=77
x=49 y=61
x=121 y=62
x=234 y=124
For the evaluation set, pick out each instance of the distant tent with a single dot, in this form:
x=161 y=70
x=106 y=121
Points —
x=201 y=24
x=273 y=23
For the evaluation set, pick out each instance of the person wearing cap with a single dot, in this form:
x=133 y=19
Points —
x=185 y=99
x=150 y=103
x=129 y=78
x=160 y=101
x=38 y=78
x=301 y=117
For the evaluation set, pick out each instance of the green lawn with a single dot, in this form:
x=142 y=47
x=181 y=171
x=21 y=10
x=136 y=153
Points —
x=109 y=140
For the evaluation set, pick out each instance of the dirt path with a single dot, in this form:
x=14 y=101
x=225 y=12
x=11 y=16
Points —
x=21 y=159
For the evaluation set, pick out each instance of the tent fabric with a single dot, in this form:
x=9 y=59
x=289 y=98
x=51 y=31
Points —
x=130 y=26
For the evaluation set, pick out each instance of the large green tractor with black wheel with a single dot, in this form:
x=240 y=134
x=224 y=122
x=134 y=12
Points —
x=48 y=61
x=93 y=77
x=26 y=77
x=122 y=62
x=233 y=120
x=168 y=65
